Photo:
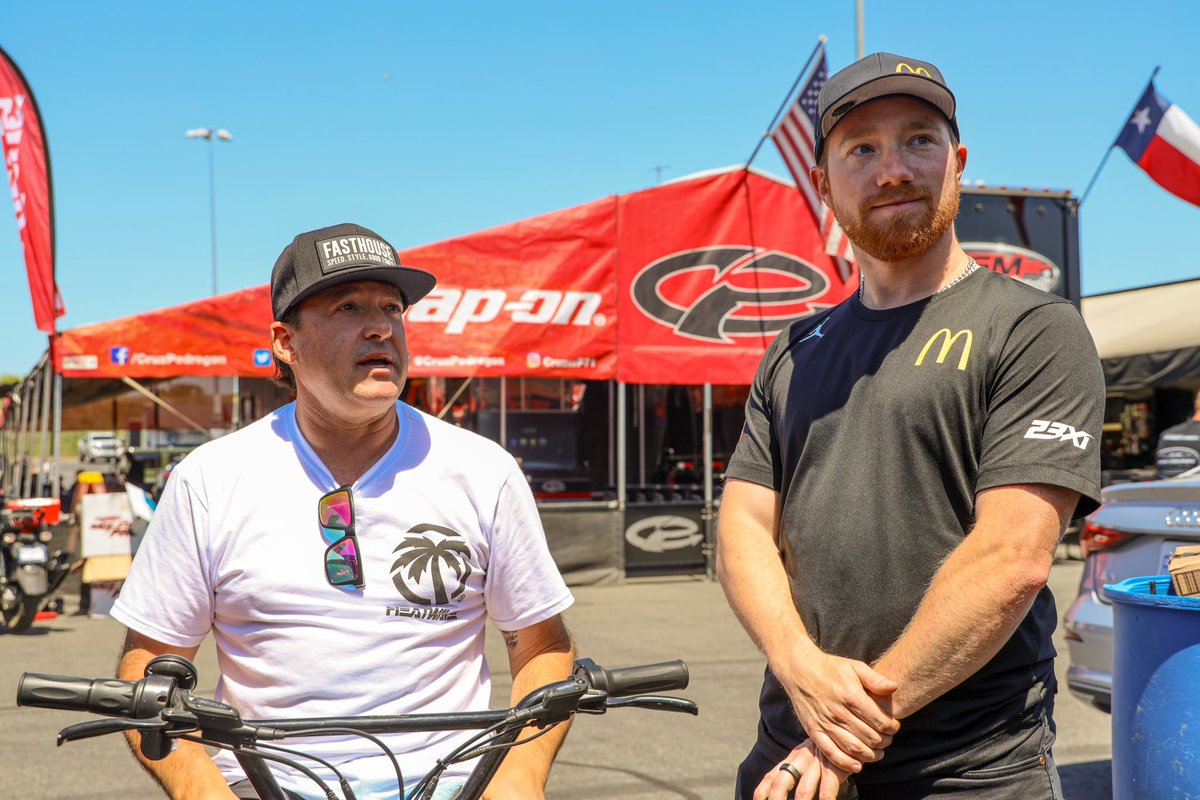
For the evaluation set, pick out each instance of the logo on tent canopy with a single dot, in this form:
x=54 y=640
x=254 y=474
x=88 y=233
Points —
x=716 y=294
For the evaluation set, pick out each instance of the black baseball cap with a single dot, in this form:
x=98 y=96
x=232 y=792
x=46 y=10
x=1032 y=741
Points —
x=879 y=75
x=339 y=254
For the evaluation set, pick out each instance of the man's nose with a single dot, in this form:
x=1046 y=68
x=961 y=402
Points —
x=377 y=324
x=893 y=168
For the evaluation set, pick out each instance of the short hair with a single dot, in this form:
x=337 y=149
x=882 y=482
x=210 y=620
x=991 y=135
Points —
x=284 y=378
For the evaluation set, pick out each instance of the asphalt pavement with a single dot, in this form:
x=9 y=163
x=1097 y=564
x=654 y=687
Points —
x=628 y=753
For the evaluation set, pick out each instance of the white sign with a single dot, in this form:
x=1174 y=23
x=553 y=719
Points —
x=107 y=525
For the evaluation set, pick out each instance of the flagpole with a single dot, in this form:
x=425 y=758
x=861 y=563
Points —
x=766 y=134
x=1108 y=152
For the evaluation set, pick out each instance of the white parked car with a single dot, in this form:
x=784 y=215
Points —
x=1132 y=535
x=100 y=446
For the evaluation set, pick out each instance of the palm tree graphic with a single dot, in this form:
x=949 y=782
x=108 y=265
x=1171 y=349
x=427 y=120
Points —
x=419 y=554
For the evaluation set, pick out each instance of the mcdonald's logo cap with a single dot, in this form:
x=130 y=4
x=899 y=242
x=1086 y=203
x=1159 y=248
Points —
x=879 y=75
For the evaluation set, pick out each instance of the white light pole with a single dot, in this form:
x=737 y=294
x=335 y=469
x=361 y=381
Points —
x=211 y=135
x=860 y=28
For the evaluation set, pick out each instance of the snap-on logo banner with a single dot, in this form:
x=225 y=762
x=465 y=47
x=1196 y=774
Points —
x=1021 y=263
x=716 y=294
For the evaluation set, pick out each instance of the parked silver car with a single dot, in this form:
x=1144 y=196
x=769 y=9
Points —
x=100 y=446
x=1131 y=535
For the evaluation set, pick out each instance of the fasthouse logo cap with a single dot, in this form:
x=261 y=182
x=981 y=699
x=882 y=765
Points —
x=339 y=254
x=879 y=75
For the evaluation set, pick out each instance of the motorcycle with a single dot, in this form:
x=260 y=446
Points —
x=30 y=571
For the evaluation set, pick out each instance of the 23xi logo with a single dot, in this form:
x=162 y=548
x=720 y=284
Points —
x=447 y=555
x=718 y=293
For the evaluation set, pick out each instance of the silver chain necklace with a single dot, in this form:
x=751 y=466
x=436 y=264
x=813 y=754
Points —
x=972 y=265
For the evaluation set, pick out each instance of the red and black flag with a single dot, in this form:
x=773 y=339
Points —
x=27 y=161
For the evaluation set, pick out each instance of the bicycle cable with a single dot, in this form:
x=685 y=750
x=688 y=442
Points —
x=490 y=748
x=356 y=732
x=442 y=763
x=287 y=762
x=347 y=792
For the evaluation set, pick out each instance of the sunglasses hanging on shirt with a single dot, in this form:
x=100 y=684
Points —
x=335 y=512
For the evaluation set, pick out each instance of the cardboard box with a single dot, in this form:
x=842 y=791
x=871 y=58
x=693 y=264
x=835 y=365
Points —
x=1184 y=567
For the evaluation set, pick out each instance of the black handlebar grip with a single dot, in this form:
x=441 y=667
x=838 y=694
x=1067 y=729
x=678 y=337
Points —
x=107 y=696
x=626 y=681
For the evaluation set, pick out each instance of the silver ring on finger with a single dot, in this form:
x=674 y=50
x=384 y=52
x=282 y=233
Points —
x=790 y=770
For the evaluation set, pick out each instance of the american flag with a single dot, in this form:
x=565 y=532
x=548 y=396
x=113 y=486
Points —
x=794 y=138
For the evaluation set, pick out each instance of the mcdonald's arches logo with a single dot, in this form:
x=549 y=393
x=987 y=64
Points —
x=948 y=339
x=903 y=67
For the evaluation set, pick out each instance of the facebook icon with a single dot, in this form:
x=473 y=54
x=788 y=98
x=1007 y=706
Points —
x=262 y=358
x=119 y=355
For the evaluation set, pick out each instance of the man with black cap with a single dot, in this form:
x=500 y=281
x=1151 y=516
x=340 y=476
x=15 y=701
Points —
x=893 y=507
x=346 y=551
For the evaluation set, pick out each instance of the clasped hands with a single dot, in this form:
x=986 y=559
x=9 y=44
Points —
x=845 y=707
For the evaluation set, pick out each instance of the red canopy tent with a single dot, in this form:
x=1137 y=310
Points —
x=682 y=283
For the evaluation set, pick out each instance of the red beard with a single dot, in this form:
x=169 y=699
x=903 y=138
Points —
x=902 y=236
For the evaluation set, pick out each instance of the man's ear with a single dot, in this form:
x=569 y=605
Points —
x=961 y=156
x=820 y=183
x=281 y=343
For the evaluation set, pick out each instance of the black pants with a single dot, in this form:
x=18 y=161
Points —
x=1027 y=772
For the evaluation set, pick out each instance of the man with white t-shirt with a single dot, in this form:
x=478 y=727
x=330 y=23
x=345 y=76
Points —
x=346 y=550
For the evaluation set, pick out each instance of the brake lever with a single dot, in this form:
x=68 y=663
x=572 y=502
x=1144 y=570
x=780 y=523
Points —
x=595 y=701
x=100 y=727
x=657 y=703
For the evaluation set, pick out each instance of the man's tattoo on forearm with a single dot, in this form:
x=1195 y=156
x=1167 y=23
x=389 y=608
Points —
x=510 y=639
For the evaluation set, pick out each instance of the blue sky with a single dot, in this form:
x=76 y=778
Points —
x=429 y=120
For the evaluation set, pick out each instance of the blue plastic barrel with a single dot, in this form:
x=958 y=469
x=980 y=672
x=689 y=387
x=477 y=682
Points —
x=1156 y=691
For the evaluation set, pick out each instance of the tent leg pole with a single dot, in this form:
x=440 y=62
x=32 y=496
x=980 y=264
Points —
x=710 y=549
x=621 y=446
x=21 y=464
x=503 y=412
x=34 y=402
x=56 y=466
x=235 y=413
x=640 y=420
x=47 y=390
x=612 y=441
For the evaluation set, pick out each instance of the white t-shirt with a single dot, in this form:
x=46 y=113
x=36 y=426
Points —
x=235 y=548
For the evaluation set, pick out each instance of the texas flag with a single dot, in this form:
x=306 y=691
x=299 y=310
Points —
x=1164 y=142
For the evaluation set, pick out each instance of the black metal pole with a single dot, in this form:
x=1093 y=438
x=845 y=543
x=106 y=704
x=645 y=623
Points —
x=1108 y=152
x=820 y=44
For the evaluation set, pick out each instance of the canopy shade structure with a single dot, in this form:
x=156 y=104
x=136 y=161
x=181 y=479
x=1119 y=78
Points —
x=686 y=282
x=224 y=335
x=1147 y=337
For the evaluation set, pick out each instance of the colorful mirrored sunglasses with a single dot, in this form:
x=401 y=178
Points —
x=335 y=511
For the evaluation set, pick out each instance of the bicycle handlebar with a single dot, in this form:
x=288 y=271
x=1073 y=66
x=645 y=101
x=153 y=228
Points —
x=163 y=708
x=108 y=696
x=152 y=695
x=625 y=681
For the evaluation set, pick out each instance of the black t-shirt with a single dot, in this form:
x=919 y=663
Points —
x=879 y=428
x=1178 y=449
